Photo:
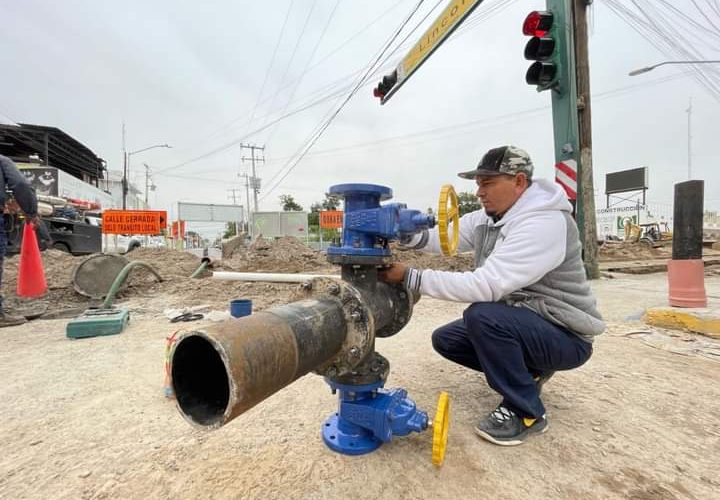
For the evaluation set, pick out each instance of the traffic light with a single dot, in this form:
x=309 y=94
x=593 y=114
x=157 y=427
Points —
x=545 y=48
x=385 y=85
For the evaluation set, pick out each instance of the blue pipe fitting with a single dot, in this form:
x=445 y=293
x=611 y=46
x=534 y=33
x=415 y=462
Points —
x=368 y=226
x=369 y=416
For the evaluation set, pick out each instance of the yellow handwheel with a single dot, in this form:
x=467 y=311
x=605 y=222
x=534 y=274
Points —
x=440 y=429
x=448 y=212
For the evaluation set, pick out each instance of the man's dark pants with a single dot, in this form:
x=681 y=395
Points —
x=511 y=345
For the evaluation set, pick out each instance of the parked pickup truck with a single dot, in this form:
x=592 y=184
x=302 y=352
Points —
x=81 y=236
x=73 y=236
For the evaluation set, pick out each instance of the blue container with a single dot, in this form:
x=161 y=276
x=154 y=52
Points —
x=240 y=308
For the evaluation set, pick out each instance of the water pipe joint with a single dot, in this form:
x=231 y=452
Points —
x=369 y=416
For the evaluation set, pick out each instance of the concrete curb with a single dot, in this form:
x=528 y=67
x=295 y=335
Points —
x=702 y=320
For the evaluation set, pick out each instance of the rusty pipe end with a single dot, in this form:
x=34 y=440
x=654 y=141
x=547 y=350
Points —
x=200 y=380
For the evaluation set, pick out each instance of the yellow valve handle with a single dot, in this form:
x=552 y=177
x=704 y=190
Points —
x=448 y=212
x=440 y=429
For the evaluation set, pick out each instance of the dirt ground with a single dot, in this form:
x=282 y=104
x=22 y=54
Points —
x=285 y=255
x=88 y=419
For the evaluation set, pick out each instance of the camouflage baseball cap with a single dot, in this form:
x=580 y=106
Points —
x=507 y=160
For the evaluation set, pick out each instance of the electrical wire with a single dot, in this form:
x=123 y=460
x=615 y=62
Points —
x=327 y=123
x=339 y=86
x=272 y=62
x=305 y=69
x=369 y=68
x=439 y=133
x=228 y=125
x=675 y=33
x=487 y=13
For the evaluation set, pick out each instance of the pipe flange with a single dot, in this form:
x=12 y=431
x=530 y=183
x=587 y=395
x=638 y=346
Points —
x=403 y=309
x=360 y=260
x=358 y=317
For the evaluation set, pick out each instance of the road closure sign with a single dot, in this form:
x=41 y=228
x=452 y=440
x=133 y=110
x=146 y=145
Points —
x=150 y=222
x=331 y=219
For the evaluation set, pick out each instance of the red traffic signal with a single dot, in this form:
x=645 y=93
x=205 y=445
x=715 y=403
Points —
x=538 y=23
x=541 y=49
x=385 y=85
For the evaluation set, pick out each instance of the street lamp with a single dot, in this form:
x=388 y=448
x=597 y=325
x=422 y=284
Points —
x=126 y=169
x=640 y=71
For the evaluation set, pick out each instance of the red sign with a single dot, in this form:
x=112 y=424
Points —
x=331 y=219
x=149 y=222
x=178 y=229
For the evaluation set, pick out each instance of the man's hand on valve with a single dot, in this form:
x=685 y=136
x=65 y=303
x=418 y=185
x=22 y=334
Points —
x=393 y=274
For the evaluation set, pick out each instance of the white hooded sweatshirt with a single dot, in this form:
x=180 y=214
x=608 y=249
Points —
x=533 y=251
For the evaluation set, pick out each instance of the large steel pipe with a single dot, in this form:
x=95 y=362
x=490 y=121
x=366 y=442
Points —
x=228 y=368
x=223 y=371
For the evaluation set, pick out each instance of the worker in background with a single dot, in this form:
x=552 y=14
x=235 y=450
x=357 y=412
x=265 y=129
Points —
x=12 y=181
x=531 y=309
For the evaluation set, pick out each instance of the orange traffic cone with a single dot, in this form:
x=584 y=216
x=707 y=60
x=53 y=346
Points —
x=31 y=276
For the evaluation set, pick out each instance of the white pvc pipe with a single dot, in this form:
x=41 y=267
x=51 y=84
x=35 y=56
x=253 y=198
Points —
x=269 y=277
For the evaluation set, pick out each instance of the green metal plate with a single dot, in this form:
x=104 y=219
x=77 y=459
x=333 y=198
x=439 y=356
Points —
x=98 y=322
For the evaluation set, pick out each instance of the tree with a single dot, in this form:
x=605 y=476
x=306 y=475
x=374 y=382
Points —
x=289 y=204
x=330 y=202
x=468 y=202
x=229 y=230
x=314 y=215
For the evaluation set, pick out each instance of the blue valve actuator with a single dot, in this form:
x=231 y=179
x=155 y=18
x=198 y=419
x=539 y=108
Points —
x=368 y=226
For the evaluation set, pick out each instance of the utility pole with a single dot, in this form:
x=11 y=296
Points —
x=586 y=211
x=247 y=195
x=234 y=197
x=247 y=202
x=147 y=183
x=689 y=113
x=254 y=181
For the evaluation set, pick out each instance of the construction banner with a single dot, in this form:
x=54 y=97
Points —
x=150 y=222
x=331 y=219
x=178 y=229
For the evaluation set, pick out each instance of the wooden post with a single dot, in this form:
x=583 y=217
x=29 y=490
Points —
x=587 y=191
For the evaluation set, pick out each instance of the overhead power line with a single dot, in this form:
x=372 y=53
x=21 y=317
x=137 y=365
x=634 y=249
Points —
x=360 y=82
x=338 y=87
x=272 y=62
x=687 y=33
x=332 y=52
x=292 y=56
x=439 y=133
x=305 y=69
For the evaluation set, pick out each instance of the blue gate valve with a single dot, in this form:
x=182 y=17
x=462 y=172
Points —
x=369 y=416
x=369 y=226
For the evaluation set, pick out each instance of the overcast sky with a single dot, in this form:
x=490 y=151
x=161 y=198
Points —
x=193 y=74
